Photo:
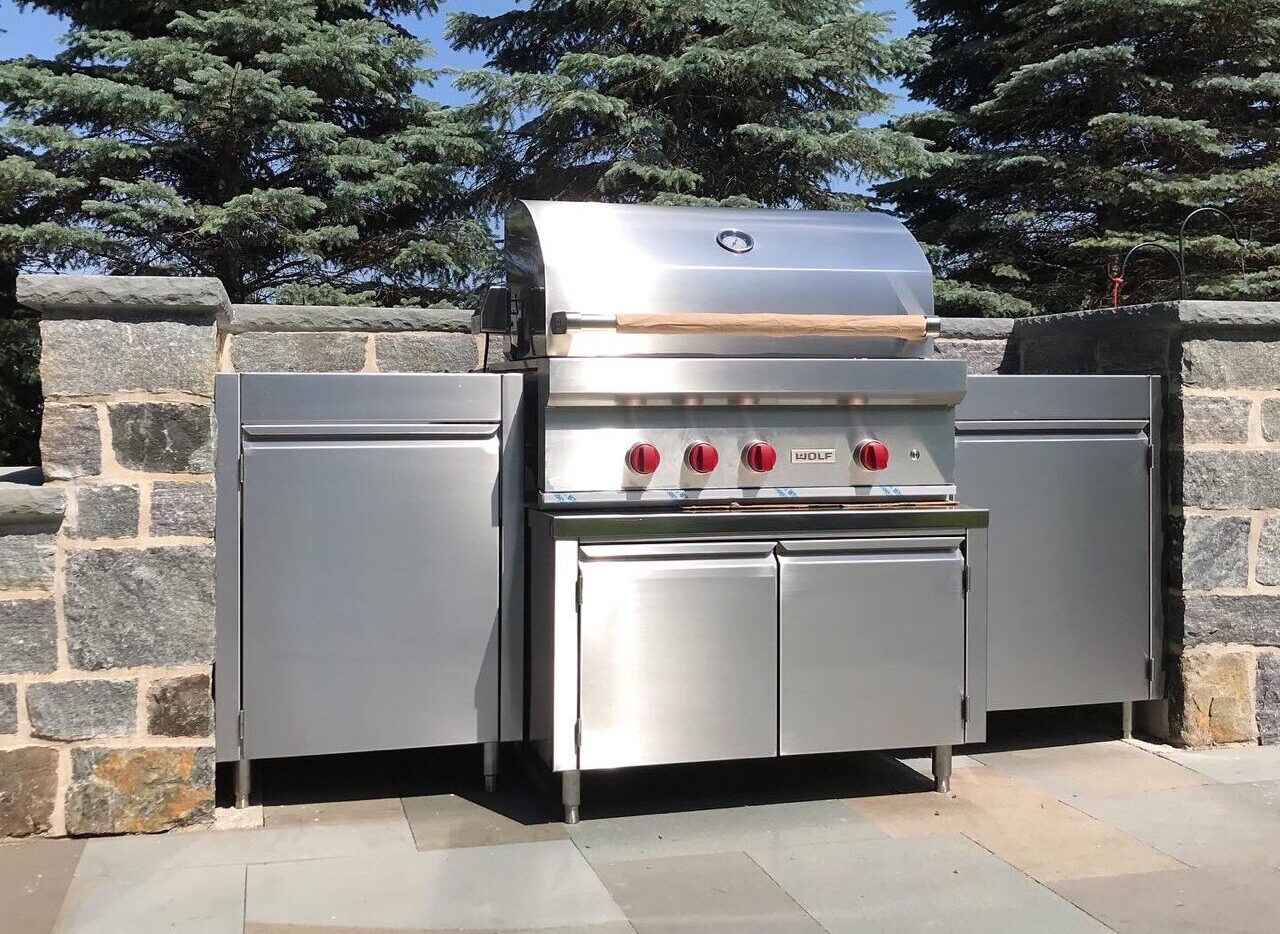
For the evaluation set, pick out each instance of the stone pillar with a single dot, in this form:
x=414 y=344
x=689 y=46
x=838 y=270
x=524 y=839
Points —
x=121 y=697
x=1221 y=367
x=982 y=343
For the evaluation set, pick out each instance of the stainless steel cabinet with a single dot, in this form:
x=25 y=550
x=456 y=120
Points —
x=1066 y=467
x=370 y=598
x=871 y=643
x=679 y=652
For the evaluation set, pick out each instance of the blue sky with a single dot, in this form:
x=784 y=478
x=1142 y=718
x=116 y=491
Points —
x=30 y=32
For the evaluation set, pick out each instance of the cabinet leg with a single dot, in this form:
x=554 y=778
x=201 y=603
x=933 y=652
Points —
x=242 y=783
x=1126 y=719
x=571 y=794
x=490 y=767
x=942 y=769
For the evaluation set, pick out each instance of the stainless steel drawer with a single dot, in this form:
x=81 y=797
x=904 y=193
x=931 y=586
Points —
x=871 y=643
x=679 y=652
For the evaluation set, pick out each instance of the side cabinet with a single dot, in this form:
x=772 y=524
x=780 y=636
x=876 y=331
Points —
x=364 y=600
x=1067 y=467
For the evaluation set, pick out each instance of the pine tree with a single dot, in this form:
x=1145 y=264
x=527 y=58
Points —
x=729 y=102
x=1078 y=128
x=276 y=144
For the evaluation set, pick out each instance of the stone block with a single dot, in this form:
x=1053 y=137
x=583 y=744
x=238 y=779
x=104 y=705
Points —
x=162 y=437
x=1057 y=356
x=1218 y=364
x=174 y=296
x=144 y=790
x=1271 y=419
x=1215 y=420
x=26 y=560
x=70 y=442
x=71 y=710
x=1141 y=354
x=295 y=318
x=182 y=509
x=29 y=508
x=128 y=608
x=425 y=353
x=1246 y=619
x=1231 y=479
x=303 y=352
x=106 y=512
x=1215 y=552
x=980 y=356
x=1269 y=553
x=1267 y=697
x=28 y=637
x=28 y=785
x=180 y=707
x=8 y=708
x=1212 y=698
x=97 y=356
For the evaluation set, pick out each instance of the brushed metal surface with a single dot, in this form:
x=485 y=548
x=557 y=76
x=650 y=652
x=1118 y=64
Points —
x=1057 y=397
x=613 y=259
x=679 y=654
x=871 y=641
x=1069 y=566
x=364 y=398
x=226 y=668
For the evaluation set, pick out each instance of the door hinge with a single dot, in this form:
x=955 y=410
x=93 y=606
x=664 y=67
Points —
x=577 y=736
x=1151 y=455
x=1151 y=669
x=964 y=708
x=240 y=729
x=577 y=594
x=964 y=579
x=240 y=470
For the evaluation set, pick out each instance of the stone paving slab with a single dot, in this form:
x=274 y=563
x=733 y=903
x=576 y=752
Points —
x=615 y=927
x=489 y=888
x=1202 y=826
x=1238 y=900
x=331 y=813
x=725 y=830
x=944 y=883
x=1091 y=769
x=693 y=894
x=34 y=877
x=1041 y=836
x=442 y=822
x=111 y=855
x=204 y=900
x=1230 y=763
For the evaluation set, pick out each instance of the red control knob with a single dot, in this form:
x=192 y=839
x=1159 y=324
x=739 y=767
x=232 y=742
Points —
x=760 y=456
x=643 y=458
x=702 y=457
x=873 y=455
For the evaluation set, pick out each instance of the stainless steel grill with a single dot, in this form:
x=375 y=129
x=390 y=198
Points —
x=744 y=539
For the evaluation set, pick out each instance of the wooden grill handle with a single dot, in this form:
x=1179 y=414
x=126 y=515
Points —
x=904 y=327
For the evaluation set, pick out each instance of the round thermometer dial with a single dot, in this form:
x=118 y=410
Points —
x=735 y=241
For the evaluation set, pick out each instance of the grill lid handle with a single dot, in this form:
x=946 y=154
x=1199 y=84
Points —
x=903 y=327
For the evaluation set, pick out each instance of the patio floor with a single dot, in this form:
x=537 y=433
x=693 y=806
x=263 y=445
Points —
x=1087 y=835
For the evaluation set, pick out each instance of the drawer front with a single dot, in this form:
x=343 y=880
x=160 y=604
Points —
x=679 y=653
x=871 y=644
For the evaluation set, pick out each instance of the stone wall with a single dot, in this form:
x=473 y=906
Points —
x=106 y=638
x=323 y=339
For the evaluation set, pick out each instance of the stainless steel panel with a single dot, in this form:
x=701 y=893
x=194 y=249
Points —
x=368 y=430
x=338 y=398
x=679 y=656
x=585 y=449
x=692 y=381
x=1056 y=397
x=977 y=641
x=370 y=594
x=610 y=259
x=511 y=693
x=1070 y=572
x=871 y=646
x=762 y=495
x=1155 y=565
x=226 y=666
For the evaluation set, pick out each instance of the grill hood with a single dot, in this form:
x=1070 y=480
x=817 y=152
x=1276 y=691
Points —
x=573 y=268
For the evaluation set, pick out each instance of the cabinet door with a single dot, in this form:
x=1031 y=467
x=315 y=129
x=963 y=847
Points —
x=1069 y=611
x=871 y=644
x=370 y=593
x=679 y=653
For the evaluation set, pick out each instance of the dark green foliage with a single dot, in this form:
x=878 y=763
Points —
x=733 y=102
x=1081 y=127
x=276 y=144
